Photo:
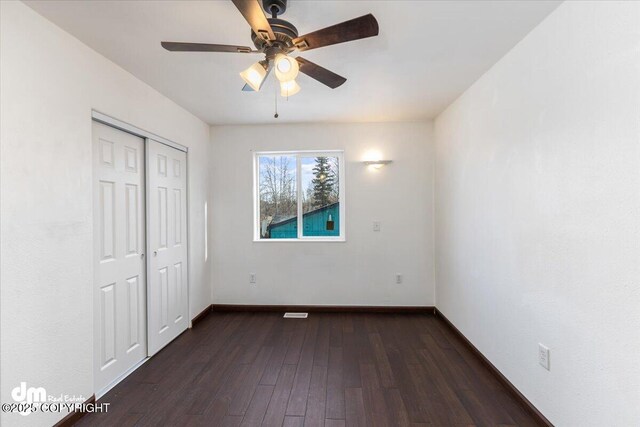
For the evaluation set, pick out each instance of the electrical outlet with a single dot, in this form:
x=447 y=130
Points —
x=376 y=226
x=398 y=278
x=543 y=356
x=252 y=277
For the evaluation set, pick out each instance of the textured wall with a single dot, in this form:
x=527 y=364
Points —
x=360 y=271
x=49 y=83
x=538 y=214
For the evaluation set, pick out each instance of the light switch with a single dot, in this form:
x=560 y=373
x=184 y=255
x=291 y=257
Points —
x=543 y=356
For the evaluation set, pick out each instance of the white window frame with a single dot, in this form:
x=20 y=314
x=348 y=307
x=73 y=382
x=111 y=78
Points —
x=298 y=154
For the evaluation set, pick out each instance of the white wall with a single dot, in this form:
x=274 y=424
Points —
x=49 y=84
x=360 y=271
x=538 y=214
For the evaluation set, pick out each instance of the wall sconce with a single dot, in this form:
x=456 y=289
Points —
x=376 y=164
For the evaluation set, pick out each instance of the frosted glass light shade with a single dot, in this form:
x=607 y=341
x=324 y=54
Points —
x=254 y=75
x=289 y=88
x=286 y=68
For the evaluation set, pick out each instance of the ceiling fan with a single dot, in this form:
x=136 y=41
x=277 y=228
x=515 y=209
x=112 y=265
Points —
x=277 y=39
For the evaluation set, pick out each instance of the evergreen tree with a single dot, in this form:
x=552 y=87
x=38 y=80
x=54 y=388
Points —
x=322 y=183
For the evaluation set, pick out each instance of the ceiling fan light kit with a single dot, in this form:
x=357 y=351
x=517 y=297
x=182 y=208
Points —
x=277 y=39
x=286 y=68
x=289 y=88
x=255 y=75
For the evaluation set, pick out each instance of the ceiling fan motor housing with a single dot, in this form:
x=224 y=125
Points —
x=284 y=31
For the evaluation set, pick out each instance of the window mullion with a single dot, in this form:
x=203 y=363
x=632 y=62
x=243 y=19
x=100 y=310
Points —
x=299 y=193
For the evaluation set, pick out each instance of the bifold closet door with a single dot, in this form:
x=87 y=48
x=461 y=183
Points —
x=167 y=243
x=120 y=327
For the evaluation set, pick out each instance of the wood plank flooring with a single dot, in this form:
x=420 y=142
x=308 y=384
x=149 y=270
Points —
x=332 y=369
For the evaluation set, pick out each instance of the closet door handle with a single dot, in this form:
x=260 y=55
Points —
x=155 y=253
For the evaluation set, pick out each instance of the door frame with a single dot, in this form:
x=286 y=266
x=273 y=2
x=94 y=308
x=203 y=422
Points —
x=105 y=119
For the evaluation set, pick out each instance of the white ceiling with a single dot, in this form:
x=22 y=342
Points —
x=427 y=53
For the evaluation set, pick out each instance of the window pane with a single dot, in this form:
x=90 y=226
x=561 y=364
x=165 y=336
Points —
x=278 y=197
x=320 y=196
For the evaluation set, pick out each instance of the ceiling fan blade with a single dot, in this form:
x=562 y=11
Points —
x=205 y=47
x=319 y=73
x=358 y=28
x=252 y=12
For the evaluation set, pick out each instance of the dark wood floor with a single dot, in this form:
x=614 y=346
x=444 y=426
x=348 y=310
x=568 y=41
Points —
x=334 y=369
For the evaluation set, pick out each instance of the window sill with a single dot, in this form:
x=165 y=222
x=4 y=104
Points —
x=307 y=240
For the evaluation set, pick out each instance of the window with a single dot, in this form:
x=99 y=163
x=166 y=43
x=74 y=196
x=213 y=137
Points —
x=299 y=196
